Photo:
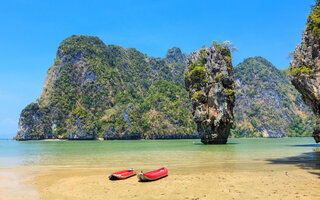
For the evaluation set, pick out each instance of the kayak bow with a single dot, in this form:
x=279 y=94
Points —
x=153 y=175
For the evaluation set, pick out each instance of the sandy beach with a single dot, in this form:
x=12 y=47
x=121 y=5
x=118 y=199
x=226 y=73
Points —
x=244 y=169
x=92 y=183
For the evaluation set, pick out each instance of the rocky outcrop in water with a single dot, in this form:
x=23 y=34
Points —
x=209 y=79
x=305 y=67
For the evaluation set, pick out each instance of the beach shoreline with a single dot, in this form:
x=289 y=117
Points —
x=102 y=139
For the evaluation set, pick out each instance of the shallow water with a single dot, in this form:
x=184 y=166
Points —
x=177 y=155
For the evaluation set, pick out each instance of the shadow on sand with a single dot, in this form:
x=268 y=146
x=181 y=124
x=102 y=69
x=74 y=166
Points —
x=116 y=179
x=306 y=145
x=140 y=181
x=307 y=161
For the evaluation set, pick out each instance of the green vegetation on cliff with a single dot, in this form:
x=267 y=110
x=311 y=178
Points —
x=313 y=20
x=266 y=103
x=303 y=51
x=94 y=90
x=164 y=112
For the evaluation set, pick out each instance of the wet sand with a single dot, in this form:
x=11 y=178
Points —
x=17 y=183
x=92 y=183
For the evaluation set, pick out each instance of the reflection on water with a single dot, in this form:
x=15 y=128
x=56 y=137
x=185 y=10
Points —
x=179 y=155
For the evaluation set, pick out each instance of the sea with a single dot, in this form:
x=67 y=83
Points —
x=177 y=155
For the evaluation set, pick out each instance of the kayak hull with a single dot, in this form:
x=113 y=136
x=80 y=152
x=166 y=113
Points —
x=153 y=175
x=122 y=174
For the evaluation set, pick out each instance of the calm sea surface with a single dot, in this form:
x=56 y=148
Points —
x=178 y=155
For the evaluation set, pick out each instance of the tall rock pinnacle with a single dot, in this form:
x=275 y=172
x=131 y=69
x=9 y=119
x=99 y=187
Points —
x=209 y=79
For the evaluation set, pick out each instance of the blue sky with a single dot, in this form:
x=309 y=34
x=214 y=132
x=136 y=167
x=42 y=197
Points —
x=32 y=30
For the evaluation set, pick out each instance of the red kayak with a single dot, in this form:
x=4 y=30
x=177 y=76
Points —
x=122 y=174
x=153 y=175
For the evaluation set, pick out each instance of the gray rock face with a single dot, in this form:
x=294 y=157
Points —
x=125 y=117
x=271 y=133
x=33 y=124
x=305 y=70
x=81 y=125
x=78 y=131
x=209 y=79
x=175 y=54
x=89 y=77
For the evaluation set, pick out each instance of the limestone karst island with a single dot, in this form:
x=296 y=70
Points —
x=160 y=100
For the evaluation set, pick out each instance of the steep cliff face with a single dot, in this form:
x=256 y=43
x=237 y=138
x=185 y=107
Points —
x=97 y=90
x=34 y=124
x=305 y=67
x=209 y=79
x=267 y=104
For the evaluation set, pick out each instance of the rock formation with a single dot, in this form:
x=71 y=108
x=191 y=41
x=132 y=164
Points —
x=305 y=67
x=94 y=90
x=267 y=104
x=209 y=79
x=175 y=54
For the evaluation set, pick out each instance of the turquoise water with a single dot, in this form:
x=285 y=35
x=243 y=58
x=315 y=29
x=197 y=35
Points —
x=238 y=154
